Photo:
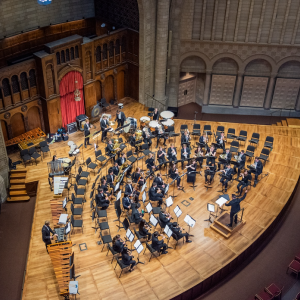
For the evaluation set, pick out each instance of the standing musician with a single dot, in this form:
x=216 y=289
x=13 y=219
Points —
x=87 y=132
x=127 y=259
x=172 y=153
x=116 y=168
x=102 y=200
x=221 y=141
x=109 y=149
x=155 y=115
x=258 y=169
x=191 y=171
x=199 y=156
x=46 y=230
x=160 y=183
x=225 y=161
x=161 y=156
x=160 y=135
x=211 y=155
x=165 y=219
x=110 y=178
x=104 y=127
x=235 y=207
x=227 y=176
x=246 y=178
x=185 y=138
x=178 y=231
x=158 y=245
x=131 y=191
x=147 y=136
x=173 y=172
x=185 y=153
x=150 y=163
x=118 y=244
x=144 y=230
x=240 y=162
x=120 y=117
x=155 y=194
x=210 y=171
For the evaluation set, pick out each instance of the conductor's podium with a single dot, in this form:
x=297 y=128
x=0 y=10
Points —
x=220 y=224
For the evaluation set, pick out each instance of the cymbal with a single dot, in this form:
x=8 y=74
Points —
x=111 y=123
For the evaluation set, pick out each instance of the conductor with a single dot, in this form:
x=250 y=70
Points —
x=235 y=207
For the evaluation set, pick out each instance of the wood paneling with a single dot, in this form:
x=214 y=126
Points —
x=34 y=119
x=109 y=88
x=98 y=90
x=222 y=89
x=89 y=98
x=121 y=85
x=17 y=124
x=54 y=114
x=187 y=90
x=4 y=130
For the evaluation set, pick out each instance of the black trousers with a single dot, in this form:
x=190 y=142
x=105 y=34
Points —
x=104 y=135
x=210 y=179
x=48 y=242
x=86 y=141
x=132 y=263
x=186 y=235
x=241 y=186
x=231 y=218
x=148 y=235
x=162 y=248
x=120 y=123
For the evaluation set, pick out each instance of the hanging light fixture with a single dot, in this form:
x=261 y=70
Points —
x=77 y=92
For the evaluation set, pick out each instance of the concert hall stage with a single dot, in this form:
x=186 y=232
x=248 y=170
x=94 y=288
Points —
x=192 y=268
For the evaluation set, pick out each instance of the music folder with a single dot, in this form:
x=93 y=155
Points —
x=119 y=195
x=153 y=220
x=144 y=197
x=189 y=221
x=130 y=235
x=144 y=186
x=177 y=211
x=221 y=201
x=210 y=207
x=138 y=246
x=117 y=186
x=166 y=189
x=65 y=202
x=149 y=207
x=68 y=228
x=73 y=287
x=169 y=201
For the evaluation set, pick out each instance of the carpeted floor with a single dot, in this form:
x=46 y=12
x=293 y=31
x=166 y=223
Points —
x=15 y=229
x=188 y=112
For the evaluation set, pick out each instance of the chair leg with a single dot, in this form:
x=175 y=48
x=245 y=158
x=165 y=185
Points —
x=121 y=273
x=115 y=265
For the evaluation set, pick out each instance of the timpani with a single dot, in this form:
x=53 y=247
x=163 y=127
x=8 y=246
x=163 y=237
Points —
x=167 y=123
x=144 y=121
x=167 y=114
x=153 y=125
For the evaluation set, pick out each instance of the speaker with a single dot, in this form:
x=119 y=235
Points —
x=72 y=127
x=174 y=110
x=79 y=120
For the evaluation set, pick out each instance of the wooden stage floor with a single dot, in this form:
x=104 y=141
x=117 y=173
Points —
x=168 y=275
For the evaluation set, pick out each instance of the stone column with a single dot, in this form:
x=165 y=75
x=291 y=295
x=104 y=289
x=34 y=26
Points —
x=3 y=167
x=20 y=88
x=238 y=88
x=29 y=92
x=9 y=132
x=297 y=108
x=162 y=30
x=271 y=86
x=2 y=97
x=207 y=87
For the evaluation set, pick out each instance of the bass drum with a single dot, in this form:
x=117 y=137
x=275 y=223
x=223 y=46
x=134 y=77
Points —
x=96 y=111
x=127 y=128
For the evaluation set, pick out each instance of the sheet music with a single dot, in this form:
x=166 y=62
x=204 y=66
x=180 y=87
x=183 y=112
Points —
x=131 y=237
x=117 y=186
x=153 y=220
x=149 y=207
x=221 y=201
x=63 y=219
x=144 y=186
x=119 y=195
x=166 y=189
x=65 y=202
x=189 y=221
x=144 y=197
x=68 y=228
x=210 y=207
x=138 y=246
x=128 y=232
x=59 y=184
x=177 y=211
x=168 y=231
x=73 y=287
x=169 y=201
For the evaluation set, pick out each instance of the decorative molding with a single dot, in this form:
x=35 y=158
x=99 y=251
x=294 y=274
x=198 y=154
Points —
x=7 y=115
x=68 y=69
x=23 y=108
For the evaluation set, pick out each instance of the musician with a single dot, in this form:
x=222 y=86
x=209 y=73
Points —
x=199 y=156
x=178 y=231
x=158 y=245
x=210 y=171
x=160 y=135
x=110 y=178
x=104 y=127
x=120 y=117
x=87 y=132
x=227 y=176
x=133 y=142
x=165 y=219
x=121 y=160
x=155 y=115
x=258 y=169
x=226 y=161
x=160 y=183
x=104 y=187
x=221 y=141
x=118 y=244
x=173 y=172
x=147 y=136
x=127 y=259
x=154 y=194
x=126 y=203
x=161 y=156
x=185 y=138
x=46 y=230
x=137 y=216
x=116 y=168
x=185 y=153
x=191 y=172
x=246 y=178
x=102 y=200
x=144 y=230
x=240 y=162
x=54 y=158
x=172 y=153
x=203 y=142
x=211 y=155
x=150 y=163
x=235 y=207
x=109 y=149
x=130 y=191
x=137 y=177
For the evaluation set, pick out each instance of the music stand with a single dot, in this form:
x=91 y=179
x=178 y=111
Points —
x=169 y=202
x=166 y=189
x=64 y=204
x=211 y=209
x=68 y=229
x=129 y=236
x=153 y=221
x=139 y=248
x=182 y=188
x=190 y=222
x=144 y=186
x=144 y=197
x=168 y=232
x=119 y=195
x=117 y=186
x=177 y=212
x=221 y=201
x=173 y=182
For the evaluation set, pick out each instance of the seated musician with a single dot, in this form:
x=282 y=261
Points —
x=210 y=171
x=127 y=259
x=160 y=135
x=158 y=245
x=160 y=183
x=150 y=163
x=240 y=162
x=137 y=216
x=121 y=160
x=185 y=153
x=155 y=115
x=144 y=230
x=173 y=172
x=246 y=178
x=199 y=156
x=225 y=161
x=116 y=168
x=221 y=141
x=178 y=231
x=109 y=149
x=211 y=155
x=185 y=138
x=102 y=200
x=258 y=169
x=133 y=142
x=137 y=177
x=161 y=156
x=147 y=136
x=165 y=219
x=126 y=202
x=104 y=186
x=118 y=243
x=226 y=176
x=110 y=178
x=191 y=171
x=131 y=191
x=155 y=194
x=172 y=153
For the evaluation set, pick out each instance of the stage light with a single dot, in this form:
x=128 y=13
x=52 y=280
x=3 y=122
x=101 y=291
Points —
x=44 y=2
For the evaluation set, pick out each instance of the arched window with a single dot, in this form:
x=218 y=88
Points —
x=24 y=82
x=76 y=52
x=15 y=84
x=58 y=58
x=111 y=49
x=104 y=56
x=5 y=86
x=72 y=53
x=124 y=44
x=32 y=79
x=67 y=55
x=62 y=57
x=98 y=54
x=117 y=51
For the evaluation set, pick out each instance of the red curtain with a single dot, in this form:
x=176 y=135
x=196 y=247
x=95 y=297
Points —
x=70 y=108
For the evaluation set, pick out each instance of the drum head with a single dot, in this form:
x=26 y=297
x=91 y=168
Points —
x=153 y=124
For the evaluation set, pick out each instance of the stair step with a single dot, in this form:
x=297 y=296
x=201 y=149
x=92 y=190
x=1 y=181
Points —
x=18 y=193
x=279 y=124
x=20 y=198
x=17 y=181
x=220 y=229
x=18 y=171
x=17 y=175
x=284 y=123
x=274 y=124
x=16 y=187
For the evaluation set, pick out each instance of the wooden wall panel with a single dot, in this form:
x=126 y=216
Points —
x=17 y=124
x=254 y=91
x=34 y=119
x=54 y=114
x=120 y=85
x=98 y=90
x=222 y=89
x=90 y=98
x=285 y=93
x=187 y=89
x=109 y=88
x=4 y=130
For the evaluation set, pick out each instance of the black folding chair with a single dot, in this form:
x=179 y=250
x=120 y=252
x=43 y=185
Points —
x=122 y=266
x=250 y=151
x=196 y=129
x=76 y=223
x=83 y=174
x=231 y=134
x=90 y=165
x=220 y=129
x=106 y=239
x=25 y=156
x=80 y=181
x=183 y=128
x=76 y=211
x=76 y=200
x=264 y=155
x=103 y=103
x=207 y=130
x=269 y=142
x=79 y=192
x=234 y=147
x=113 y=252
x=130 y=156
x=44 y=147
x=151 y=250
x=100 y=157
x=242 y=136
x=176 y=238
x=32 y=152
x=254 y=139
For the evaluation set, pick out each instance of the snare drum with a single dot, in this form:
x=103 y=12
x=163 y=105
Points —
x=153 y=125
x=66 y=160
x=144 y=121
x=65 y=165
x=168 y=123
x=167 y=114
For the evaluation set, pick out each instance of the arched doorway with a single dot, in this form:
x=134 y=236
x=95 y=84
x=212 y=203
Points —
x=17 y=124
x=109 y=88
x=121 y=85
x=34 y=119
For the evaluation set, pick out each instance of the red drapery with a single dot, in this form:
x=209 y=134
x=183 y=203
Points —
x=70 y=108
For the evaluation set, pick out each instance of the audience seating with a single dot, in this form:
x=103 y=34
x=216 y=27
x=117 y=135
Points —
x=294 y=267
